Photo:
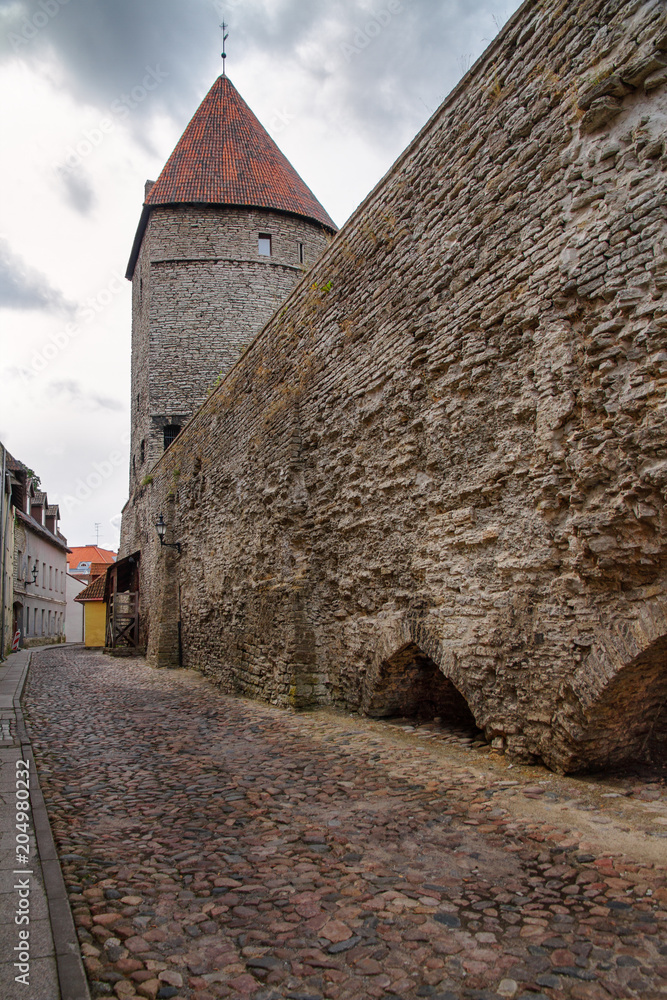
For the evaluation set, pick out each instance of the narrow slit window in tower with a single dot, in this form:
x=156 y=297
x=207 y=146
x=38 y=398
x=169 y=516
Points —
x=302 y=256
x=142 y=451
x=171 y=432
x=264 y=245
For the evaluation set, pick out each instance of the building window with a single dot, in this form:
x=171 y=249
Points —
x=142 y=451
x=302 y=256
x=171 y=432
x=34 y=629
x=264 y=245
x=42 y=632
x=27 y=621
x=50 y=577
x=43 y=578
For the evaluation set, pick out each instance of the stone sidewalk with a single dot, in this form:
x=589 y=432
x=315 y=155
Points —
x=215 y=847
x=31 y=882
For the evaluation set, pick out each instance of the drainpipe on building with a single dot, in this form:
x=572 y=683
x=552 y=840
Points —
x=3 y=542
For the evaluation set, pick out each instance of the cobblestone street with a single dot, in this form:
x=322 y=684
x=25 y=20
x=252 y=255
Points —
x=215 y=847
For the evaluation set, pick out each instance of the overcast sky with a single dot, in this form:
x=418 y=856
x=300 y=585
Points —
x=96 y=94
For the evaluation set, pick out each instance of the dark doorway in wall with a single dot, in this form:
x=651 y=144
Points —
x=626 y=729
x=411 y=686
x=17 y=621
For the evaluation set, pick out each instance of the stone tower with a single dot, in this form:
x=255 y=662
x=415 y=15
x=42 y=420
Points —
x=226 y=232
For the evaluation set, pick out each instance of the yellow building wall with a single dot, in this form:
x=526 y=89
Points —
x=95 y=618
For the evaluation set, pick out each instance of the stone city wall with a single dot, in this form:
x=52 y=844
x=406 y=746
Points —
x=451 y=439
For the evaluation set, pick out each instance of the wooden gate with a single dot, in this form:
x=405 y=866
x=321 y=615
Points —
x=122 y=599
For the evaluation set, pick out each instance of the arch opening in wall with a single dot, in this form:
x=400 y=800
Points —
x=410 y=685
x=627 y=725
x=17 y=620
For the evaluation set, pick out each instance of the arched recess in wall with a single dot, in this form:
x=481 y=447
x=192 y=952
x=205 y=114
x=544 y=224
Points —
x=410 y=684
x=627 y=722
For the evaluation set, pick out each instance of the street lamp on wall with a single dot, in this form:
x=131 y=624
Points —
x=35 y=571
x=161 y=529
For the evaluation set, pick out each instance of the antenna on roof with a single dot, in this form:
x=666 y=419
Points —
x=98 y=525
x=225 y=36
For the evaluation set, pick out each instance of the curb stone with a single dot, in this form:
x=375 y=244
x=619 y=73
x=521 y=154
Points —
x=71 y=974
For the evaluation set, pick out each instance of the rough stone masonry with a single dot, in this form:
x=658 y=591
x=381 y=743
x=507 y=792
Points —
x=446 y=451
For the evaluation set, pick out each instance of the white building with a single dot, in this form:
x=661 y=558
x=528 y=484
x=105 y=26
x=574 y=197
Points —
x=40 y=563
x=74 y=622
x=6 y=552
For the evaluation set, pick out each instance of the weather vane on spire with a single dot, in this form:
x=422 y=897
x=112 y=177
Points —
x=225 y=36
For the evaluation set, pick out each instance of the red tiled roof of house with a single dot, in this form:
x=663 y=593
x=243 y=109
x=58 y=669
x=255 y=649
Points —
x=225 y=157
x=98 y=569
x=89 y=554
x=93 y=592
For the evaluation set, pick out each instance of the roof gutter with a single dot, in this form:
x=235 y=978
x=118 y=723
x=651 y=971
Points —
x=138 y=239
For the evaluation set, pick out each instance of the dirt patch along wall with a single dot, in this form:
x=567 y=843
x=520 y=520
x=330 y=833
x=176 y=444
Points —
x=453 y=433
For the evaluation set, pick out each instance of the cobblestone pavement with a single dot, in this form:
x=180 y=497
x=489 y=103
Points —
x=215 y=847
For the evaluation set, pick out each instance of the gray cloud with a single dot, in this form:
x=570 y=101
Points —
x=70 y=393
x=381 y=66
x=24 y=287
x=77 y=189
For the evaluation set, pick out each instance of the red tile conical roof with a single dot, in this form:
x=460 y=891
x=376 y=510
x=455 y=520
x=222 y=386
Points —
x=225 y=157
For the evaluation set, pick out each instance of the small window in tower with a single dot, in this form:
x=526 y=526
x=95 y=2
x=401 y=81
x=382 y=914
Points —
x=171 y=432
x=302 y=255
x=264 y=245
x=142 y=451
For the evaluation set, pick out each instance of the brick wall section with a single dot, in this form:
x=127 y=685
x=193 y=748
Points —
x=201 y=292
x=453 y=435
